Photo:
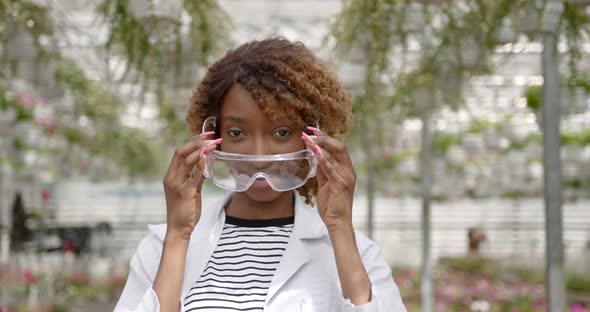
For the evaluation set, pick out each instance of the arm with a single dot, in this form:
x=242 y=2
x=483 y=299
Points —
x=354 y=279
x=365 y=278
x=168 y=282
x=182 y=186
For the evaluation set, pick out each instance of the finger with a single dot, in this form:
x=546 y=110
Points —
x=344 y=172
x=329 y=168
x=191 y=160
x=196 y=177
x=311 y=142
x=181 y=152
x=331 y=145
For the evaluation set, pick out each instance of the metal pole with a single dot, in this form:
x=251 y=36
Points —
x=555 y=282
x=370 y=201
x=370 y=186
x=426 y=182
x=6 y=222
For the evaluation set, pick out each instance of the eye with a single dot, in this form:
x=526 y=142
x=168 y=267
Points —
x=282 y=133
x=235 y=133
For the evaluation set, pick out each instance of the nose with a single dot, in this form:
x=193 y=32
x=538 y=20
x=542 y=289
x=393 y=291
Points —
x=261 y=146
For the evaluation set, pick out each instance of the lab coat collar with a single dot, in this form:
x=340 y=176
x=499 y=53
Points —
x=308 y=225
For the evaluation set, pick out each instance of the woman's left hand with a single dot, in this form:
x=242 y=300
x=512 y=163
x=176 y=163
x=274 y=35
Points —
x=336 y=179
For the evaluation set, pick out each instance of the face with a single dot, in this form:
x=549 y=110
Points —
x=245 y=129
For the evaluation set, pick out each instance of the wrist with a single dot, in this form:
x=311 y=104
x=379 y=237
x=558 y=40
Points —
x=340 y=227
x=342 y=234
x=176 y=239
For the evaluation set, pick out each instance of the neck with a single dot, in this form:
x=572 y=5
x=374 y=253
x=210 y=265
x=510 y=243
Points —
x=243 y=207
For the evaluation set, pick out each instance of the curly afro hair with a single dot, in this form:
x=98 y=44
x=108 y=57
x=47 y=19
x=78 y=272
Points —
x=276 y=68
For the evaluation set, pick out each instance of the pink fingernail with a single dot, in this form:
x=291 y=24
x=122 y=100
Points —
x=313 y=129
x=208 y=132
x=305 y=137
x=217 y=141
x=318 y=150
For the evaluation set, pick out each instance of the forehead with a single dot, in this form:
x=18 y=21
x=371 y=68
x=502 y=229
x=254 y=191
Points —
x=238 y=102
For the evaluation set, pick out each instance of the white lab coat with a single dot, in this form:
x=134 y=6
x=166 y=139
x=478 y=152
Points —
x=306 y=279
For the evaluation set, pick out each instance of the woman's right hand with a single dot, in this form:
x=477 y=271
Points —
x=182 y=185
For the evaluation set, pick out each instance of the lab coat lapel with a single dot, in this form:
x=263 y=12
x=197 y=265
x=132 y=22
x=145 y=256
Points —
x=203 y=242
x=308 y=225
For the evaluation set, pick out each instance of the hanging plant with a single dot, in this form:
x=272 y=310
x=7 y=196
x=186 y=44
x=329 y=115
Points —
x=72 y=135
x=506 y=33
x=580 y=138
x=443 y=141
x=146 y=52
x=90 y=99
x=574 y=96
x=138 y=153
x=22 y=46
x=159 y=18
x=8 y=111
x=23 y=112
x=533 y=95
x=25 y=14
x=7 y=117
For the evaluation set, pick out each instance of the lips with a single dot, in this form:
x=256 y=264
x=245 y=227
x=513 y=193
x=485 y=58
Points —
x=260 y=183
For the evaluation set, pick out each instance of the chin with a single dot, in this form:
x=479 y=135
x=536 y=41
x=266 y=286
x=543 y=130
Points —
x=263 y=195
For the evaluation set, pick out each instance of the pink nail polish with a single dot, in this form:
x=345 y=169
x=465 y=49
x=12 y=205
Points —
x=217 y=141
x=313 y=129
x=208 y=132
x=318 y=150
x=304 y=136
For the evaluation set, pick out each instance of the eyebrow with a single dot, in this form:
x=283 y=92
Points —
x=234 y=119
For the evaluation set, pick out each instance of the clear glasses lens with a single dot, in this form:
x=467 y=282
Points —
x=281 y=173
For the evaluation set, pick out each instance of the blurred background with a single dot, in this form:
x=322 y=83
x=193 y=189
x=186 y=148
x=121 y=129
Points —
x=471 y=139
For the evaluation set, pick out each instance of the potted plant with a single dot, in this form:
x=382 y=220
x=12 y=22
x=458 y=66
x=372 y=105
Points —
x=22 y=46
x=473 y=143
x=27 y=133
x=506 y=32
x=470 y=52
x=157 y=16
x=414 y=20
x=26 y=70
x=456 y=155
x=7 y=117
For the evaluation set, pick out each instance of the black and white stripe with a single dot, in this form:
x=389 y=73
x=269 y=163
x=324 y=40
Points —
x=238 y=275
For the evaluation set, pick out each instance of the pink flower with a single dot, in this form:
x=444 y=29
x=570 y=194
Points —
x=26 y=100
x=42 y=100
x=576 y=307
x=29 y=277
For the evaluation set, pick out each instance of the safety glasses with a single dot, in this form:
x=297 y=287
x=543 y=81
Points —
x=239 y=172
x=281 y=172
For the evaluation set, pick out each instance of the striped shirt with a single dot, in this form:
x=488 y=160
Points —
x=238 y=275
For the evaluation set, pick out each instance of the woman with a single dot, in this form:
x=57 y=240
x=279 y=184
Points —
x=263 y=248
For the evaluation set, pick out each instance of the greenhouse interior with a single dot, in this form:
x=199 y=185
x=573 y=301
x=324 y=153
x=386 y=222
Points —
x=470 y=139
